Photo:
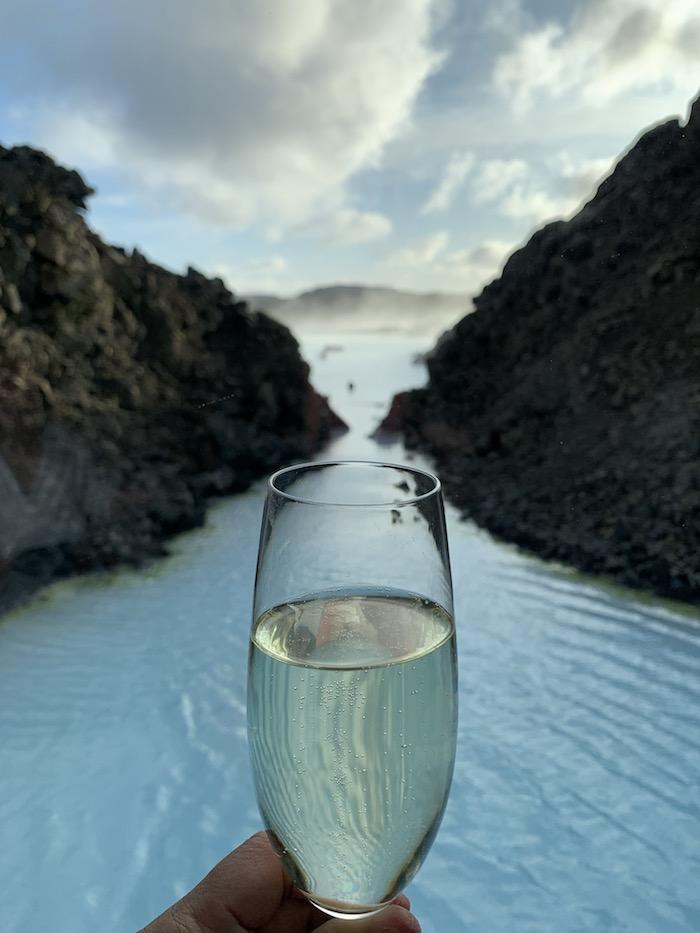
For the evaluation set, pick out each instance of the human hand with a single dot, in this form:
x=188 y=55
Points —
x=248 y=892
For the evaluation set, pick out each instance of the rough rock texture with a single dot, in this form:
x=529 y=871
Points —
x=128 y=394
x=564 y=413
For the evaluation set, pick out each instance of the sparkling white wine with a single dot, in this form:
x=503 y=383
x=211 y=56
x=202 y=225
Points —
x=352 y=718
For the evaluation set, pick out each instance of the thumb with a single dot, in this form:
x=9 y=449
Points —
x=392 y=919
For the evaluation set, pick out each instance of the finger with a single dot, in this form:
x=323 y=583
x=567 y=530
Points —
x=292 y=915
x=247 y=886
x=393 y=919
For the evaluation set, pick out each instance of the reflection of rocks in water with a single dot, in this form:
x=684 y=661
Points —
x=347 y=634
x=301 y=641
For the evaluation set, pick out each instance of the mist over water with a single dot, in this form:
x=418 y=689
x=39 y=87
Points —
x=361 y=310
x=125 y=775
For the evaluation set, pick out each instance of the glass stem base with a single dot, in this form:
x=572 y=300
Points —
x=343 y=910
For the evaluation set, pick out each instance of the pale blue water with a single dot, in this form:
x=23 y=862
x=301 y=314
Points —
x=124 y=770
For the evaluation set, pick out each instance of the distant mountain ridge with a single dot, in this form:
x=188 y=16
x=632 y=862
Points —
x=366 y=308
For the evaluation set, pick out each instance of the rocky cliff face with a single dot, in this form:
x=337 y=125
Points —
x=128 y=394
x=564 y=413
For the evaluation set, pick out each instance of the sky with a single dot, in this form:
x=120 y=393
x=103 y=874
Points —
x=285 y=144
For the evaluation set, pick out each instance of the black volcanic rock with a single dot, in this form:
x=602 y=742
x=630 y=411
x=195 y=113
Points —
x=564 y=413
x=128 y=394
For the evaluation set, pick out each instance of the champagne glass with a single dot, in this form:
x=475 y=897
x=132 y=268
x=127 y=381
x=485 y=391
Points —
x=352 y=678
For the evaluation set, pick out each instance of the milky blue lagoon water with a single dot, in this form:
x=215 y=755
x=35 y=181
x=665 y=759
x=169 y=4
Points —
x=124 y=769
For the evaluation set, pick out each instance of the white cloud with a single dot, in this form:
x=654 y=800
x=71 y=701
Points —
x=580 y=178
x=555 y=189
x=268 y=264
x=346 y=226
x=261 y=274
x=526 y=202
x=469 y=269
x=421 y=252
x=497 y=176
x=505 y=17
x=452 y=180
x=607 y=50
x=241 y=114
x=77 y=138
x=428 y=263
x=353 y=226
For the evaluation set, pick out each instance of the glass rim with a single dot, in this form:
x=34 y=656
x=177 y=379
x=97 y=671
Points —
x=391 y=503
